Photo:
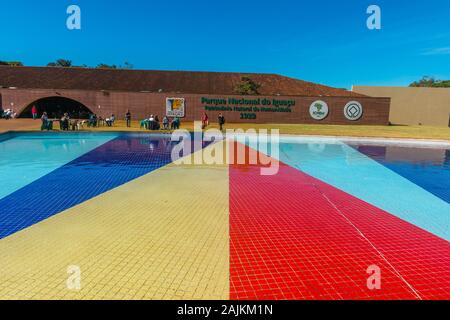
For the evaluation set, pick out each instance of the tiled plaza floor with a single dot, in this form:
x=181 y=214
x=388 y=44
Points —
x=162 y=236
x=140 y=227
x=317 y=242
x=18 y=124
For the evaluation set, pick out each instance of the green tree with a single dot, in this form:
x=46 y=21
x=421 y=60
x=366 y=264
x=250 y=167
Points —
x=62 y=63
x=430 y=82
x=247 y=86
x=106 y=66
x=113 y=66
x=127 y=65
x=11 y=63
x=442 y=84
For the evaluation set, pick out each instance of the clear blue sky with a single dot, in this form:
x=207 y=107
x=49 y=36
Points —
x=324 y=41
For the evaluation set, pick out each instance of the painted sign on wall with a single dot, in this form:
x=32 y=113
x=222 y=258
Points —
x=175 y=107
x=353 y=111
x=319 y=110
x=248 y=108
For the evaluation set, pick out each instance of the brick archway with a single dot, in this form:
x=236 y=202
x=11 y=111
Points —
x=56 y=106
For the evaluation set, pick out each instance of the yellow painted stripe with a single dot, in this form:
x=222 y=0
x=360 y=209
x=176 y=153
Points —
x=162 y=236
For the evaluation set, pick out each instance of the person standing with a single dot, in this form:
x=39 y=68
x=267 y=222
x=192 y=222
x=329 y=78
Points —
x=65 y=122
x=166 y=123
x=34 y=112
x=91 y=120
x=176 y=123
x=221 y=119
x=205 y=121
x=151 y=122
x=44 y=120
x=128 y=118
x=157 y=125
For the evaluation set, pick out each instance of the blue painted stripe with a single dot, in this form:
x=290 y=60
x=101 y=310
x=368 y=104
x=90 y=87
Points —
x=347 y=169
x=428 y=168
x=113 y=164
x=25 y=158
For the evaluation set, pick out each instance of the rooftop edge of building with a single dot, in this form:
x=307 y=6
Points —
x=162 y=81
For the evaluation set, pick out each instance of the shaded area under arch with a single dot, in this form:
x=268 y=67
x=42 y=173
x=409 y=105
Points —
x=56 y=107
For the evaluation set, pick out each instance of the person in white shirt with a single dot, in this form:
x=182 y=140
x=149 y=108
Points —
x=151 y=121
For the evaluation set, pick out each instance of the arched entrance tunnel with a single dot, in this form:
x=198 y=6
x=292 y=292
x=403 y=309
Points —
x=56 y=107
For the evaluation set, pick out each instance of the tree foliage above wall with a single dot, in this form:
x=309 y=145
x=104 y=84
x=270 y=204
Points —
x=430 y=82
x=247 y=86
x=113 y=66
x=11 y=63
x=63 y=63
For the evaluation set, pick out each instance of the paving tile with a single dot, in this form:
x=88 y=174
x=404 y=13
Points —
x=109 y=166
x=161 y=236
x=293 y=237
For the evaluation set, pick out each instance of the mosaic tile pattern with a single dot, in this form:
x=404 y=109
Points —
x=113 y=164
x=141 y=227
x=295 y=237
x=343 y=167
x=161 y=236
x=421 y=258
x=428 y=168
x=24 y=158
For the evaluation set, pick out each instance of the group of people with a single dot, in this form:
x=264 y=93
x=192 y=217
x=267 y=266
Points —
x=98 y=121
x=153 y=123
x=94 y=120
x=66 y=123
x=7 y=114
x=220 y=120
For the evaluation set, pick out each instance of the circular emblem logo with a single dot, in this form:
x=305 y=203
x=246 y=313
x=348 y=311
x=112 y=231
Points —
x=319 y=110
x=353 y=111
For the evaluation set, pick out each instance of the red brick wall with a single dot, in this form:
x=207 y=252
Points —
x=142 y=105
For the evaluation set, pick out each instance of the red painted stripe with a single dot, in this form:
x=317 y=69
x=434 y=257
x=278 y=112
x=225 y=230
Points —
x=294 y=237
